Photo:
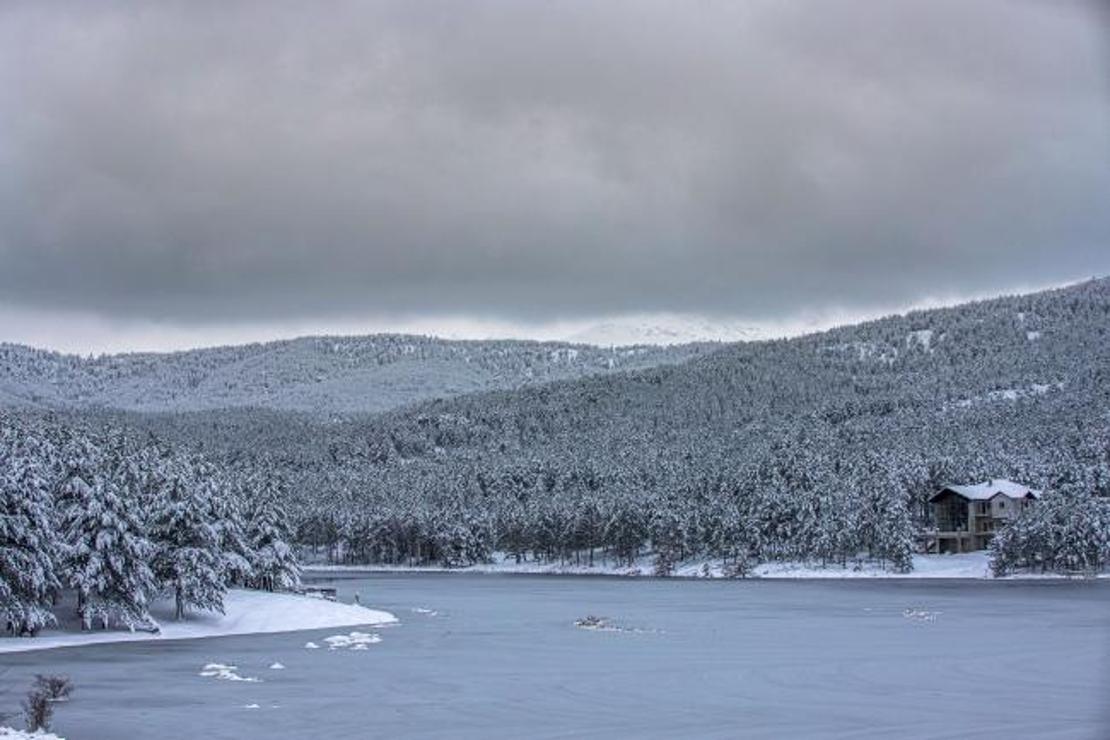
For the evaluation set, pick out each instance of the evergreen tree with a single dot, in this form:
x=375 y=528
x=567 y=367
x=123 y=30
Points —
x=106 y=554
x=187 y=559
x=236 y=554
x=28 y=543
x=274 y=565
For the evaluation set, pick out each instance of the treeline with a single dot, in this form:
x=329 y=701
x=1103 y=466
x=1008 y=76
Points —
x=742 y=530
x=119 y=523
x=804 y=498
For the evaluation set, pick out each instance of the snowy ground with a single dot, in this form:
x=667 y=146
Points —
x=966 y=565
x=7 y=733
x=247 y=612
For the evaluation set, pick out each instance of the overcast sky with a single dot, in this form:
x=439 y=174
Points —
x=172 y=172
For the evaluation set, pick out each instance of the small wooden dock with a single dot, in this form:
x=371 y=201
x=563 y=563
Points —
x=317 y=592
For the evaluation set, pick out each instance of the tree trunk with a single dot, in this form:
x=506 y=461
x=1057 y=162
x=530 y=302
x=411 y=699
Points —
x=82 y=610
x=179 y=604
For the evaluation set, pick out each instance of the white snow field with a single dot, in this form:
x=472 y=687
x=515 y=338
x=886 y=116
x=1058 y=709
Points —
x=247 y=612
x=966 y=565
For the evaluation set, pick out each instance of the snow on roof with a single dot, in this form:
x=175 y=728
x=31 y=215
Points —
x=989 y=489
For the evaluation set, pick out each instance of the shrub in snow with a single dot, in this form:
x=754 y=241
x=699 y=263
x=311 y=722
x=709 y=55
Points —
x=54 y=687
x=38 y=710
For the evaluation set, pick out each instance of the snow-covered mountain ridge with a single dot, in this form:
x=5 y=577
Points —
x=317 y=374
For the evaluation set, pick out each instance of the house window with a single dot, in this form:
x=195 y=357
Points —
x=1002 y=504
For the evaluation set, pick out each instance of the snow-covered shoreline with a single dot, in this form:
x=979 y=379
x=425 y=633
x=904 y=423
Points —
x=10 y=733
x=966 y=566
x=246 y=612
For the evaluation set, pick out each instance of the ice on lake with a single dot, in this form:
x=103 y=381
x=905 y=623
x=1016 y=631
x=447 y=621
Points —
x=751 y=659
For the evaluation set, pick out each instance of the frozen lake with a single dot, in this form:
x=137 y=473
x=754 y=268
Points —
x=500 y=657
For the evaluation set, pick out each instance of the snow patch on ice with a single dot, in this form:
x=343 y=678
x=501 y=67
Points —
x=226 y=672
x=277 y=667
x=592 y=622
x=920 y=615
x=604 y=624
x=353 y=641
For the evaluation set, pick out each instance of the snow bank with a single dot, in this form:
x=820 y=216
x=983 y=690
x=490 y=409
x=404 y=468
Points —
x=966 y=565
x=247 y=612
x=974 y=565
x=7 y=733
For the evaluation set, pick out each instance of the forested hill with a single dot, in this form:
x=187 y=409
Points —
x=931 y=370
x=312 y=374
x=1018 y=366
x=818 y=447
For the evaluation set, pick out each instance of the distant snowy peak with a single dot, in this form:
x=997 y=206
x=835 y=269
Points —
x=663 y=329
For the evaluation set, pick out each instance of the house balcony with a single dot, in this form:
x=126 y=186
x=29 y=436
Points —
x=954 y=541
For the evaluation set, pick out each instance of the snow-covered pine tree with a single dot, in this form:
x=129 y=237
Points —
x=895 y=542
x=28 y=540
x=225 y=498
x=187 y=559
x=274 y=564
x=667 y=538
x=106 y=555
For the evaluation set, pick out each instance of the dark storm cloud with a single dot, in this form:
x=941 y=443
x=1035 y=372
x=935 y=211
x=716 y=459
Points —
x=203 y=162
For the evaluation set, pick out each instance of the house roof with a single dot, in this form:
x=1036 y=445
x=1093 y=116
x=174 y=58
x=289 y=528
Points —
x=989 y=489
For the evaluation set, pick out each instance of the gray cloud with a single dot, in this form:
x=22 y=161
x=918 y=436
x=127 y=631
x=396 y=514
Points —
x=194 y=163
